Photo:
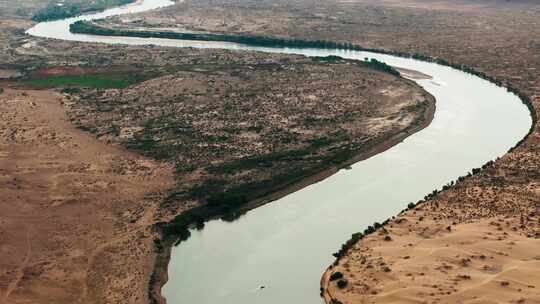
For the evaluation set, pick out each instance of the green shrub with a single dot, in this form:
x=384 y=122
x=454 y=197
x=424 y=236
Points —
x=336 y=276
x=227 y=199
x=342 y=283
x=54 y=11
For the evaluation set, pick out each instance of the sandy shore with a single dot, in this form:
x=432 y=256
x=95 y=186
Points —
x=421 y=258
x=412 y=74
x=477 y=242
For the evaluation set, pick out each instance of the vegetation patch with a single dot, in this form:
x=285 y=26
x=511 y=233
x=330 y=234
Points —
x=261 y=161
x=85 y=27
x=87 y=81
x=56 y=11
x=227 y=199
x=336 y=276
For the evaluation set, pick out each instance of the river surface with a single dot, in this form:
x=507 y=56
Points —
x=285 y=246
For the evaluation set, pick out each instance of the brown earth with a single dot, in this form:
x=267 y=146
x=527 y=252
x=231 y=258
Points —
x=76 y=213
x=489 y=252
x=422 y=257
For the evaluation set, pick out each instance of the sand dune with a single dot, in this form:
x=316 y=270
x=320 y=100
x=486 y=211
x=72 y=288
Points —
x=422 y=260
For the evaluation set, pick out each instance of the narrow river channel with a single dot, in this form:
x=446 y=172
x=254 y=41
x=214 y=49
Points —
x=285 y=246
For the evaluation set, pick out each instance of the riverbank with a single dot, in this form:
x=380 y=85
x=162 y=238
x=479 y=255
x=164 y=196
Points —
x=419 y=255
x=160 y=273
x=74 y=8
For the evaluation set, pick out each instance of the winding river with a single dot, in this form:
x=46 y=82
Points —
x=286 y=245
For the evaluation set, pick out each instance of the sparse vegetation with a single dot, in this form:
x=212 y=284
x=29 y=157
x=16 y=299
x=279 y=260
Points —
x=57 y=10
x=195 y=126
x=227 y=200
x=341 y=284
x=336 y=276
x=85 y=27
x=86 y=81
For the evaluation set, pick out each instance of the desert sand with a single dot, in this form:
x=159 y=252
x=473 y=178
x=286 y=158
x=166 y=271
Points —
x=432 y=254
x=76 y=213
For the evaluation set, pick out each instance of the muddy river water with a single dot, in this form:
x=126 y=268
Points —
x=286 y=245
